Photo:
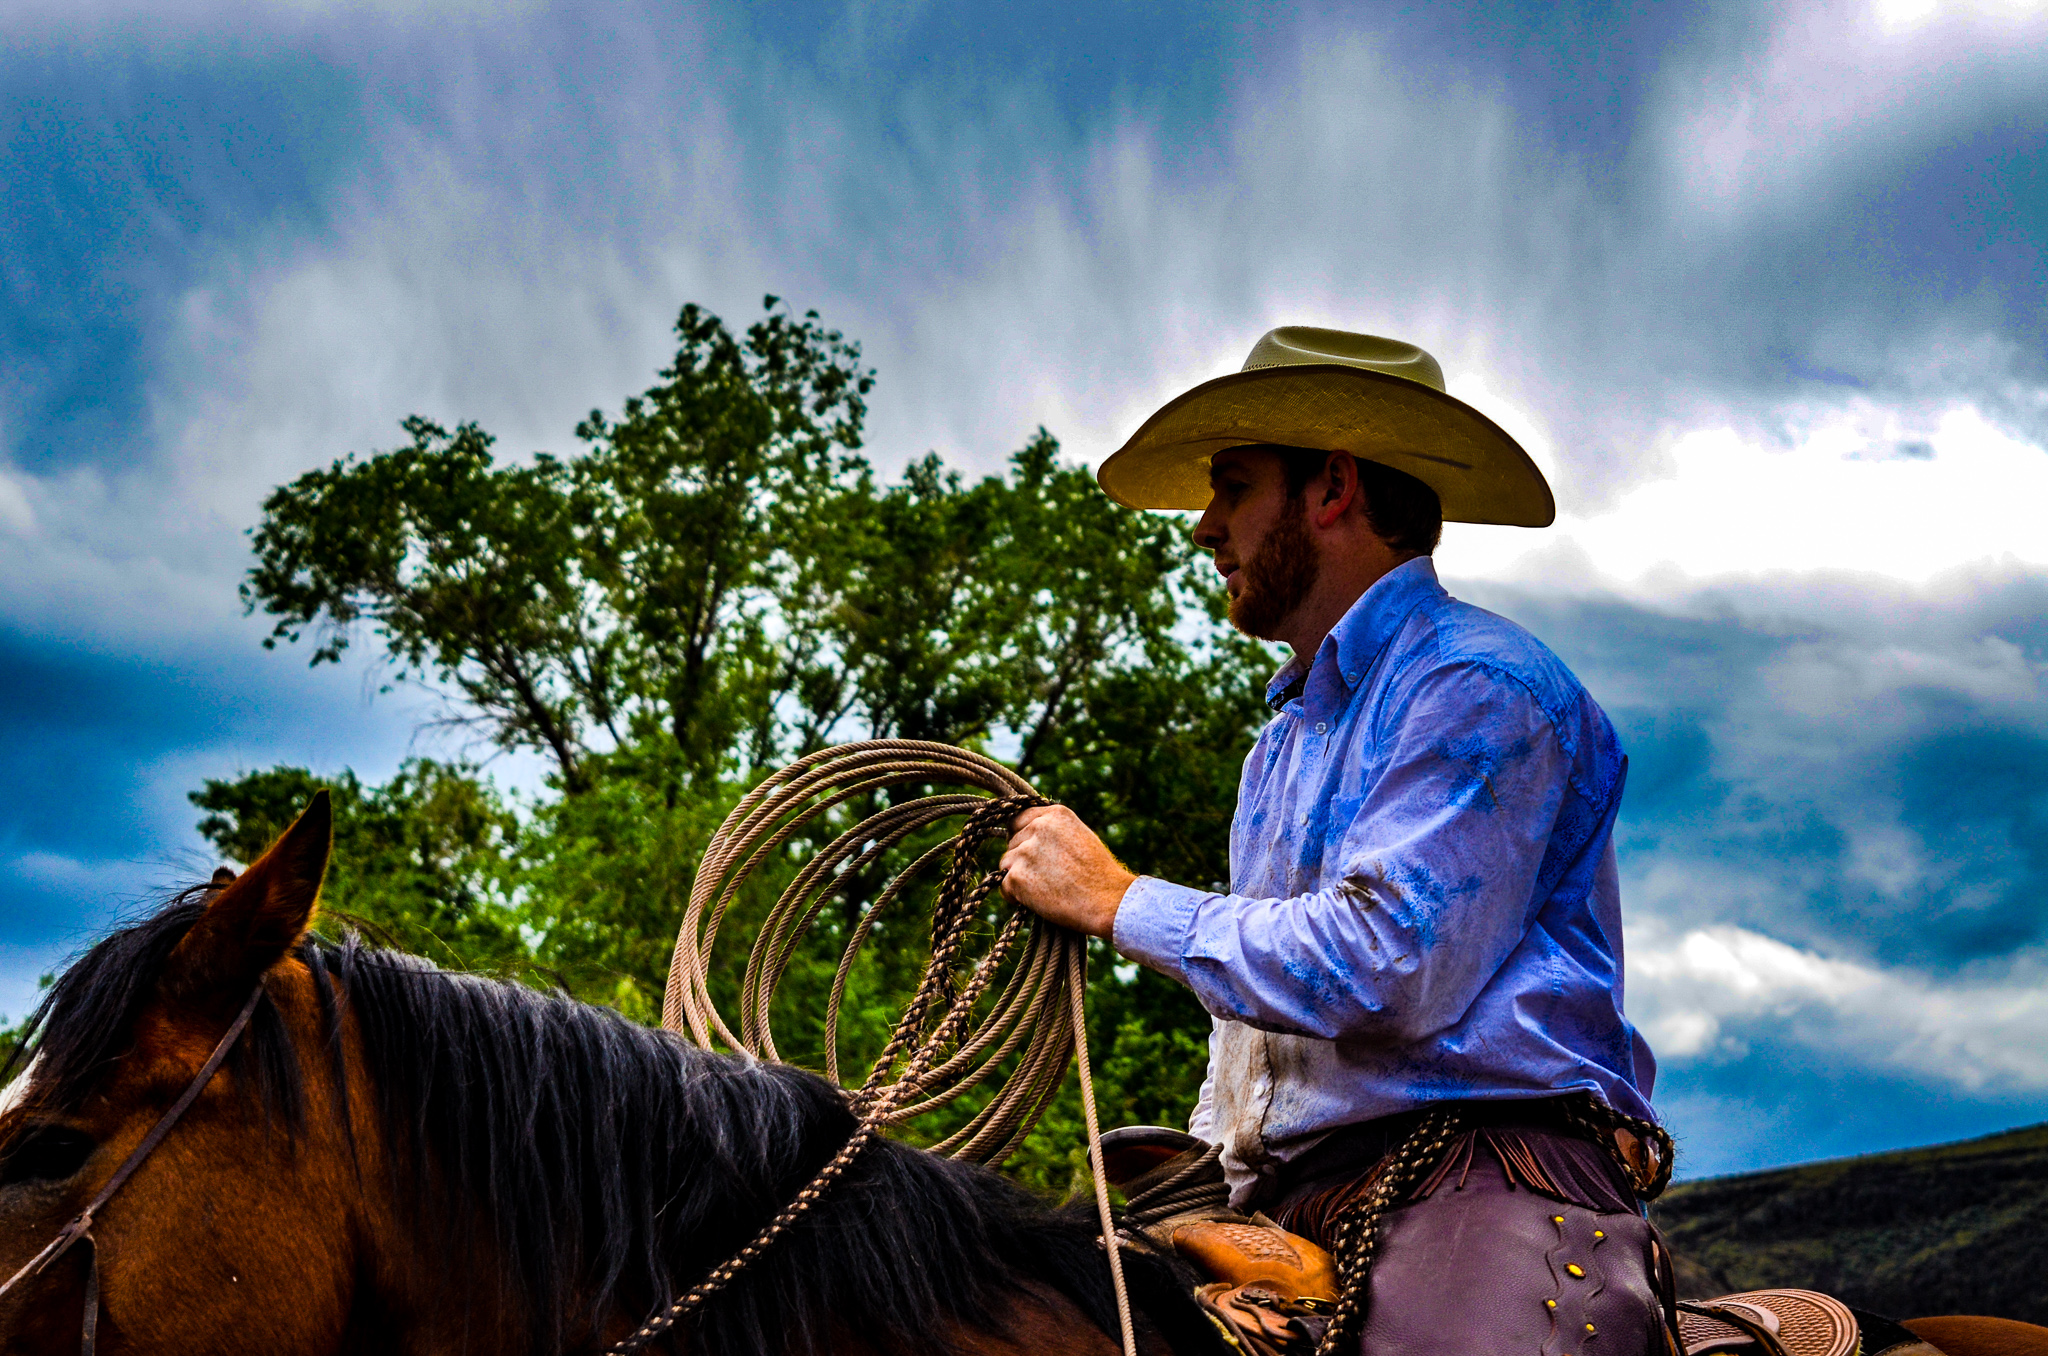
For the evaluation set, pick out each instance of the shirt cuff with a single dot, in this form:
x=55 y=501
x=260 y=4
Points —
x=1153 y=922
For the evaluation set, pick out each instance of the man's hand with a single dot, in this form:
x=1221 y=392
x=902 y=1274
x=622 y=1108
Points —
x=1060 y=871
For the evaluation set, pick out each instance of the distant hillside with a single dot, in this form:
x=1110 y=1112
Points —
x=1958 y=1228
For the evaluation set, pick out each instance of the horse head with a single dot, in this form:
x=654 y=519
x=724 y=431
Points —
x=222 y=1239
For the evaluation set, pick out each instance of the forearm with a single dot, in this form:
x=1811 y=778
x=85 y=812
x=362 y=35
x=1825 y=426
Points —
x=1337 y=964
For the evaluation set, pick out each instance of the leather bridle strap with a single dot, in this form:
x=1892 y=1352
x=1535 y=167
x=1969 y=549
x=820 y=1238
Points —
x=80 y=1228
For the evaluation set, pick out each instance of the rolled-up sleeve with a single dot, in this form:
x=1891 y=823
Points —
x=1445 y=845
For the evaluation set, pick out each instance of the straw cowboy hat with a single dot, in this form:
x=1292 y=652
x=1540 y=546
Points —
x=1375 y=398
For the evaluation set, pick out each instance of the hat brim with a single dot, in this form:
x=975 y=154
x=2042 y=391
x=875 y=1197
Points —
x=1479 y=472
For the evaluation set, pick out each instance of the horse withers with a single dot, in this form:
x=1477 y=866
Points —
x=393 y=1158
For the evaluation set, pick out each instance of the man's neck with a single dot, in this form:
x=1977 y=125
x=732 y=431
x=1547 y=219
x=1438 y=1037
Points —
x=1339 y=585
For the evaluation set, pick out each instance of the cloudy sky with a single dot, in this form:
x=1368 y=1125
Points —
x=1760 y=285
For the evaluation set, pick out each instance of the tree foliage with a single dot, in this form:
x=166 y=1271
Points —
x=718 y=582
x=580 y=605
x=467 y=570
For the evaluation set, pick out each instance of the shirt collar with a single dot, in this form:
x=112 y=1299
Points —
x=1363 y=631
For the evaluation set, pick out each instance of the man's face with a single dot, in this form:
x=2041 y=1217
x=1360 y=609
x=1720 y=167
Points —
x=1261 y=540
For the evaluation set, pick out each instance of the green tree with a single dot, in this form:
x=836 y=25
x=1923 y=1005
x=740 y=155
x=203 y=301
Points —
x=717 y=583
x=701 y=496
x=470 y=574
x=573 y=607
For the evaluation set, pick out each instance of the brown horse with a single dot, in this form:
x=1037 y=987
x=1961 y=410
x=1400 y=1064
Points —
x=398 y=1159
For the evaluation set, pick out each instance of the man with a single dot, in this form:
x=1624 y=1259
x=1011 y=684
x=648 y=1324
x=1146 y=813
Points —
x=1424 y=914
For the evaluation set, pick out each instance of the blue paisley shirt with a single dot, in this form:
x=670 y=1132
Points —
x=1424 y=901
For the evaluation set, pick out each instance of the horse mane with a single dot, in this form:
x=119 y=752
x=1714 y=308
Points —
x=616 y=1164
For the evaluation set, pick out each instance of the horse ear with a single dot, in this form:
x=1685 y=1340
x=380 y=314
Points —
x=256 y=917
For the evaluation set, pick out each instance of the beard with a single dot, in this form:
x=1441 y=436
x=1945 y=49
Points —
x=1276 y=577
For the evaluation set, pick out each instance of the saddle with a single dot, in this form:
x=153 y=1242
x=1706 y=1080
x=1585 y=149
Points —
x=1270 y=1292
x=1791 y=1323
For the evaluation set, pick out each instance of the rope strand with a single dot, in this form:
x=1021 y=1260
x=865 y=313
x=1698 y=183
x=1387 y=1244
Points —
x=1075 y=988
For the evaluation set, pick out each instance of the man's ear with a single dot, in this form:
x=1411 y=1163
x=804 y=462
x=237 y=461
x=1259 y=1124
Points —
x=1340 y=488
x=258 y=916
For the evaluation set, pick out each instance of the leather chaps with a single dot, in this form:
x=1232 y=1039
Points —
x=1525 y=1239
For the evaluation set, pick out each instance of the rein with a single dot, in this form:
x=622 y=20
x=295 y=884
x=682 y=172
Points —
x=80 y=1228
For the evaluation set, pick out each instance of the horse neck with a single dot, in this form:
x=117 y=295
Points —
x=408 y=1300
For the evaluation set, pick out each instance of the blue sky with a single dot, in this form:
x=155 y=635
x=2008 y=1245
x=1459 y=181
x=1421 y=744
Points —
x=1760 y=285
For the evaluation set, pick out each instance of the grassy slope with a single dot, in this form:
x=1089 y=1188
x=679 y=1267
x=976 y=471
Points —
x=1958 y=1228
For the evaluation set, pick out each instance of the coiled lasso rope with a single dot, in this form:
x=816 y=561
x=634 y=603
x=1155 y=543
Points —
x=943 y=1050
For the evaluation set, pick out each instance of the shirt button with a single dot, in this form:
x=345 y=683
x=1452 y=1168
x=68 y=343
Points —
x=1322 y=727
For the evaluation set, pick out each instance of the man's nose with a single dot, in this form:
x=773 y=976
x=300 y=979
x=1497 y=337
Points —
x=1209 y=533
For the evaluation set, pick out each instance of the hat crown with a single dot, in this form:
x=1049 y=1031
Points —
x=1299 y=345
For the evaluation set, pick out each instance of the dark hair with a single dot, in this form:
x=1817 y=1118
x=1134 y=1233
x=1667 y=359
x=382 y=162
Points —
x=1403 y=511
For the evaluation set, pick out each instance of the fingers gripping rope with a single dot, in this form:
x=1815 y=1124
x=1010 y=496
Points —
x=1038 y=1012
